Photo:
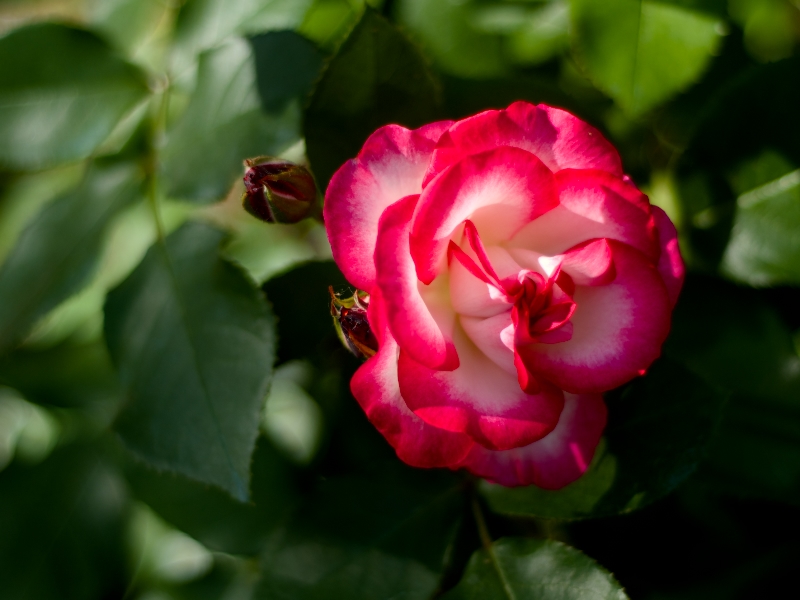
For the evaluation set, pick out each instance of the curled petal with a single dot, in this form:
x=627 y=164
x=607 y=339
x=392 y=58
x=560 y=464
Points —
x=554 y=461
x=592 y=204
x=390 y=166
x=589 y=263
x=499 y=191
x=479 y=399
x=670 y=263
x=559 y=139
x=618 y=329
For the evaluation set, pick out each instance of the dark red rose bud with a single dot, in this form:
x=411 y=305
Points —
x=278 y=191
x=350 y=319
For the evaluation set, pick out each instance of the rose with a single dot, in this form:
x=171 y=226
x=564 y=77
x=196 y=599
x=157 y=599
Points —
x=514 y=274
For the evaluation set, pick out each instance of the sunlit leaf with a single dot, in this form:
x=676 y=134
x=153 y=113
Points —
x=365 y=538
x=642 y=52
x=764 y=248
x=222 y=126
x=658 y=431
x=62 y=91
x=202 y=24
x=525 y=569
x=377 y=77
x=194 y=344
x=56 y=254
x=138 y=28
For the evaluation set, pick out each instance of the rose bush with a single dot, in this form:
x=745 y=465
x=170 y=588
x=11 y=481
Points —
x=514 y=274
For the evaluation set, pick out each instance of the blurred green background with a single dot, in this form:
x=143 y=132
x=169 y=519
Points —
x=175 y=420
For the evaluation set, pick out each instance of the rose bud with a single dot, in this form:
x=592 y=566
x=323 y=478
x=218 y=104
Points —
x=514 y=274
x=352 y=326
x=278 y=191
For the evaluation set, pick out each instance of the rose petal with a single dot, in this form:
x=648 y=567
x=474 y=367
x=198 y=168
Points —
x=499 y=191
x=494 y=337
x=554 y=461
x=670 y=263
x=390 y=166
x=375 y=387
x=560 y=140
x=589 y=263
x=409 y=317
x=592 y=204
x=479 y=399
x=618 y=329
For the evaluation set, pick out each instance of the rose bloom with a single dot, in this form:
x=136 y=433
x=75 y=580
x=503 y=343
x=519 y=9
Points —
x=514 y=274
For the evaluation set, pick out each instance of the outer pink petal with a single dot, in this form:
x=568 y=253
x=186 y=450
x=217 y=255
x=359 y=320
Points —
x=390 y=166
x=592 y=204
x=409 y=318
x=554 y=461
x=670 y=263
x=499 y=191
x=618 y=330
x=479 y=399
x=376 y=389
x=558 y=138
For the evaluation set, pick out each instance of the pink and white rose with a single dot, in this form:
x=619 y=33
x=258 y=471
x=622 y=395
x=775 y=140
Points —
x=515 y=273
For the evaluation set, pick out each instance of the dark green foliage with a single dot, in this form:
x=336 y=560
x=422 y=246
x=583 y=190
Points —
x=212 y=516
x=62 y=524
x=286 y=66
x=658 y=431
x=376 y=77
x=366 y=537
x=193 y=342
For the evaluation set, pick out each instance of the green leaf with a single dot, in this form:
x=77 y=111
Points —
x=361 y=538
x=642 y=52
x=450 y=32
x=733 y=339
x=286 y=66
x=138 y=28
x=194 y=344
x=202 y=24
x=62 y=524
x=212 y=517
x=377 y=77
x=66 y=375
x=56 y=254
x=525 y=569
x=222 y=126
x=62 y=92
x=764 y=247
x=298 y=297
x=658 y=429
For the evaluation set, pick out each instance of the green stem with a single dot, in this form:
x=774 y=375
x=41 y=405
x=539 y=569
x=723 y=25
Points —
x=157 y=128
x=483 y=531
